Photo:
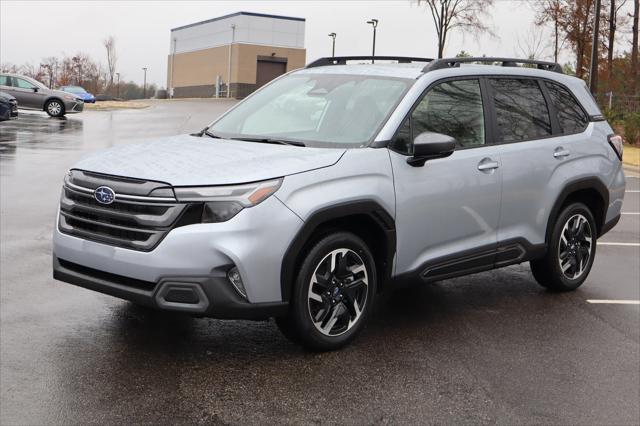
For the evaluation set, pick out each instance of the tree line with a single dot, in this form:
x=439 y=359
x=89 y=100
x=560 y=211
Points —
x=572 y=26
x=81 y=70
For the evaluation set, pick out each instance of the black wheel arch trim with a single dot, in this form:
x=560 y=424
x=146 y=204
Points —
x=575 y=186
x=370 y=208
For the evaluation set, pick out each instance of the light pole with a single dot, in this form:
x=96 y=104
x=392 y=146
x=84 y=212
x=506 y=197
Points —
x=118 y=85
x=333 y=46
x=144 y=85
x=593 y=74
x=233 y=36
x=173 y=60
x=374 y=23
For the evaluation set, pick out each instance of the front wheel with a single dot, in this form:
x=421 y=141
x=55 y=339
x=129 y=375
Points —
x=54 y=108
x=333 y=294
x=571 y=250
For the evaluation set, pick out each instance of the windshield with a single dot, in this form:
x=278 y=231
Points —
x=74 y=89
x=317 y=109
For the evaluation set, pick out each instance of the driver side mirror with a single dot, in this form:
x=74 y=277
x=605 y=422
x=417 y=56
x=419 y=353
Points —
x=428 y=146
x=35 y=89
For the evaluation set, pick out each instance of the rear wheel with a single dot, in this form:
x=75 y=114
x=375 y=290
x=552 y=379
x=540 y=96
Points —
x=333 y=295
x=54 y=107
x=571 y=250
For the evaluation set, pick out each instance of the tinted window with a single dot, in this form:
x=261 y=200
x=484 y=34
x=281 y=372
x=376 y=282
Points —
x=403 y=139
x=453 y=108
x=570 y=115
x=521 y=110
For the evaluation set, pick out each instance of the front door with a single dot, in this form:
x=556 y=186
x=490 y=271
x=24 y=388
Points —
x=27 y=94
x=447 y=210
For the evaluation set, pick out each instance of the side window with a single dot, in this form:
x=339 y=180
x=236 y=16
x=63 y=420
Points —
x=404 y=140
x=23 y=84
x=453 y=108
x=5 y=80
x=571 y=117
x=521 y=110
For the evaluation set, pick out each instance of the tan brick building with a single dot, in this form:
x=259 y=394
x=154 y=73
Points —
x=246 y=49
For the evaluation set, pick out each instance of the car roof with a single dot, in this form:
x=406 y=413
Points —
x=416 y=70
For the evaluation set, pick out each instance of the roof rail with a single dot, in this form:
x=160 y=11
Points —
x=342 y=60
x=439 y=64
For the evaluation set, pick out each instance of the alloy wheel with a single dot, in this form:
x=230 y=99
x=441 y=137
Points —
x=338 y=292
x=576 y=243
x=54 y=108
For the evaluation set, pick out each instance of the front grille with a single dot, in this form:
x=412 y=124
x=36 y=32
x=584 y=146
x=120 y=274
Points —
x=135 y=220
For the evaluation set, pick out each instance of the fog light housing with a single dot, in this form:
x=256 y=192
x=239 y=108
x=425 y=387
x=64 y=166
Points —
x=236 y=281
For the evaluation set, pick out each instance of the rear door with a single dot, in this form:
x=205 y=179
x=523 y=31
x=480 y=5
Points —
x=6 y=85
x=536 y=143
x=447 y=210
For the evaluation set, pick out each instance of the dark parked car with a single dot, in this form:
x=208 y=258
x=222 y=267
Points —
x=87 y=97
x=8 y=106
x=32 y=94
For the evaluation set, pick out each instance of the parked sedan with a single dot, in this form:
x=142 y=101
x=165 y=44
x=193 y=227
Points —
x=87 y=97
x=8 y=106
x=32 y=94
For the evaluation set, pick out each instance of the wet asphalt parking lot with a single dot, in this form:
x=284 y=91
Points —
x=488 y=348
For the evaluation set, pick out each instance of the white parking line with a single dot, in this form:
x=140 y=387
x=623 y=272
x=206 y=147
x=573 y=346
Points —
x=615 y=302
x=603 y=243
x=632 y=191
x=631 y=213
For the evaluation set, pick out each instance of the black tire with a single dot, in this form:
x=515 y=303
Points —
x=54 y=107
x=339 y=317
x=568 y=248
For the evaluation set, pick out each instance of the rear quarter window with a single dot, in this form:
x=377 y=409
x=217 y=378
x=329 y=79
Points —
x=571 y=116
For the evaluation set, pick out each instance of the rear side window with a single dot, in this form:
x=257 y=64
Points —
x=521 y=110
x=5 y=80
x=571 y=117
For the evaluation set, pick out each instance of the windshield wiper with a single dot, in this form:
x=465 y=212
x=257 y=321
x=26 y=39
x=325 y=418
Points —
x=269 y=140
x=206 y=132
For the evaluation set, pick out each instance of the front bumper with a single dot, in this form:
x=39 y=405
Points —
x=210 y=296
x=195 y=260
x=73 y=106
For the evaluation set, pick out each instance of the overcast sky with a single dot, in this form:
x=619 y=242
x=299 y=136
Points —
x=32 y=30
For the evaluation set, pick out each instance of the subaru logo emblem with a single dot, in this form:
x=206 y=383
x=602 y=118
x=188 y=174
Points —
x=104 y=195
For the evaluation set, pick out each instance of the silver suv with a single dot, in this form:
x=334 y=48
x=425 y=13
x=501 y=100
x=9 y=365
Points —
x=337 y=181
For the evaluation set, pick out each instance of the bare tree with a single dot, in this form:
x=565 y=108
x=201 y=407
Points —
x=9 y=67
x=112 y=58
x=551 y=11
x=531 y=46
x=613 y=21
x=449 y=15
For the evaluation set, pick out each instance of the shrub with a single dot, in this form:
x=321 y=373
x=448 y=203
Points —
x=632 y=128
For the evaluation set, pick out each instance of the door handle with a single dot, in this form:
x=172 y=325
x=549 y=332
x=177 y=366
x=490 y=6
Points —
x=560 y=152
x=487 y=164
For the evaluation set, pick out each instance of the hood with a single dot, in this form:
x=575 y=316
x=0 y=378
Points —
x=62 y=93
x=6 y=97
x=85 y=95
x=190 y=160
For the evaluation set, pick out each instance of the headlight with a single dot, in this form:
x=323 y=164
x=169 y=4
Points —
x=224 y=202
x=69 y=97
